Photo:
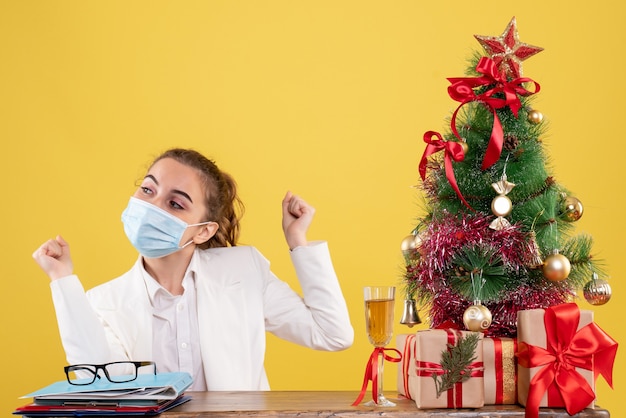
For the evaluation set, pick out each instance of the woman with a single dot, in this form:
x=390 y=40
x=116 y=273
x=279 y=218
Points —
x=194 y=301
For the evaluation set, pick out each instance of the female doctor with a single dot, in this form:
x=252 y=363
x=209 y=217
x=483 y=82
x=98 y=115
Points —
x=194 y=301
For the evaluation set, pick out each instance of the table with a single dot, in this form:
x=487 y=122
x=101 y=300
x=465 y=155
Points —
x=336 y=404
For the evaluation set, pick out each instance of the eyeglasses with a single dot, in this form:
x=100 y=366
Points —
x=116 y=372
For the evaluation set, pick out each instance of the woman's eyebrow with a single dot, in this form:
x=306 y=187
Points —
x=176 y=191
x=183 y=194
x=151 y=177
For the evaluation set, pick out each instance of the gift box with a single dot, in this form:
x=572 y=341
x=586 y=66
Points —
x=500 y=369
x=407 y=375
x=500 y=374
x=430 y=346
x=560 y=353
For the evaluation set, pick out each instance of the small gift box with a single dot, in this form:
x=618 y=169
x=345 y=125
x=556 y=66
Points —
x=500 y=370
x=448 y=374
x=407 y=376
x=560 y=354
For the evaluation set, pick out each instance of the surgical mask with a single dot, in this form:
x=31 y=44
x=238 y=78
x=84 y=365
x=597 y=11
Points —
x=152 y=231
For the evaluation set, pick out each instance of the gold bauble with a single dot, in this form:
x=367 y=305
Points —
x=501 y=205
x=597 y=291
x=556 y=267
x=571 y=209
x=477 y=318
x=410 y=243
x=535 y=117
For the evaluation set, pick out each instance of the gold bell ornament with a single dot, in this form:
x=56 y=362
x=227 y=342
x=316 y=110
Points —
x=409 y=315
x=597 y=291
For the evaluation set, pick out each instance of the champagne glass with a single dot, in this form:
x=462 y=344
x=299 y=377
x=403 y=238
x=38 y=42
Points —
x=379 y=301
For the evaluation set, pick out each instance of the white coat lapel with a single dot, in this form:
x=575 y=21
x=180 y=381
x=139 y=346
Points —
x=224 y=338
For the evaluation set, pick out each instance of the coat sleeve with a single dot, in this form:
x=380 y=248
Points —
x=83 y=334
x=320 y=319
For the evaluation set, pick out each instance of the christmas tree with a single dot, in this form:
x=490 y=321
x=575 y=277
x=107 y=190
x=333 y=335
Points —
x=498 y=234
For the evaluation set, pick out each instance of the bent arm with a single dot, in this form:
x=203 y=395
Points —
x=82 y=333
x=320 y=320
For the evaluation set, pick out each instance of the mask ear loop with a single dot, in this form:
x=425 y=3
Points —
x=201 y=223
x=191 y=240
x=185 y=245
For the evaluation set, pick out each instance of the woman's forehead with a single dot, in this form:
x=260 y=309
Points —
x=169 y=173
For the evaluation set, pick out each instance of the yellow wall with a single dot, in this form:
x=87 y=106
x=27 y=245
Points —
x=327 y=98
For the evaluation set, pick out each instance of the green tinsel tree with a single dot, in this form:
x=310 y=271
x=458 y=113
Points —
x=498 y=231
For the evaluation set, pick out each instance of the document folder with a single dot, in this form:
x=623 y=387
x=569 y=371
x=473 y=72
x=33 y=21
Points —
x=147 y=389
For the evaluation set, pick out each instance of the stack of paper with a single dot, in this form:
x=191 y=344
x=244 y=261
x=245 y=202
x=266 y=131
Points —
x=145 y=396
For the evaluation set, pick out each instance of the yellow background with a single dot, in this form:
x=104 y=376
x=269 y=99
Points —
x=327 y=98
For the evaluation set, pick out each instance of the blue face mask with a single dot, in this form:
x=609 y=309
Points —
x=152 y=231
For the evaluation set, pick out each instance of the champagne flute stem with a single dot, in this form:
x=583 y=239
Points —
x=381 y=363
x=380 y=398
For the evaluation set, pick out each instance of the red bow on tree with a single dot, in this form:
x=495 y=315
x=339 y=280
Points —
x=503 y=93
x=566 y=349
x=452 y=151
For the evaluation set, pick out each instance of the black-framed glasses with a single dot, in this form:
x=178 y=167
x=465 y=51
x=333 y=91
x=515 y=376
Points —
x=115 y=372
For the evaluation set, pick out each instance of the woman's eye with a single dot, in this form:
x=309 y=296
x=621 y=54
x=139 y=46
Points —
x=146 y=190
x=175 y=205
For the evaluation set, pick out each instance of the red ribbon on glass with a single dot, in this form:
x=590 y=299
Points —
x=462 y=90
x=588 y=348
x=371 y=372
x=429 y=369
x=452 y=151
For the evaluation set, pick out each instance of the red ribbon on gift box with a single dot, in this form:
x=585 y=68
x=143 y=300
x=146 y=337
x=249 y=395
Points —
x=371 y=372
x=462 y=90
x=499 y=367
x=589 y=348
x=409 y=353
x=429 y=369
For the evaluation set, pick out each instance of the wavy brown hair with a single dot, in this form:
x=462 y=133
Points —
x=221 y=199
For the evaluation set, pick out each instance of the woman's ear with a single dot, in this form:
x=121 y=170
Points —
x=206 y=233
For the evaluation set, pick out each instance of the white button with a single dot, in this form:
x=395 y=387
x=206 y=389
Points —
x=183 y=345
x=180 y=307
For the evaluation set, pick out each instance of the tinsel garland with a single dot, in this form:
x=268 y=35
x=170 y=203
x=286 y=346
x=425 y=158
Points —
x=445 y=236
x=448 y=307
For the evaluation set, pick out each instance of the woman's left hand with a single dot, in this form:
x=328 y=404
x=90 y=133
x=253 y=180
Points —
x=297 y=217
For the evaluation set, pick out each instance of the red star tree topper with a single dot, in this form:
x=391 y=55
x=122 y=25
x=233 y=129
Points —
x=507 y=51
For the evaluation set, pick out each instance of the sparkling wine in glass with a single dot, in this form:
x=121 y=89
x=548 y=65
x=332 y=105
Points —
x=379 y=307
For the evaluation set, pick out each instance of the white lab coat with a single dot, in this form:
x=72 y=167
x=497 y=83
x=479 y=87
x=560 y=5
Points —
x=238 y=299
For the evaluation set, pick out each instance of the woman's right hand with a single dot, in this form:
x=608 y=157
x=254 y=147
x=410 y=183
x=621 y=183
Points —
x=54 y=258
